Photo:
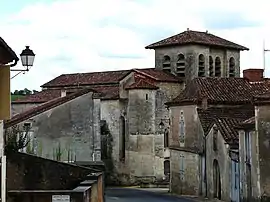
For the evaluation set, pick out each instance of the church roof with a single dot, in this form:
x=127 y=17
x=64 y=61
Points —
x=226 y=119
x=221 y=91
x=107 y=77
x=196 y=37
x=141 y=84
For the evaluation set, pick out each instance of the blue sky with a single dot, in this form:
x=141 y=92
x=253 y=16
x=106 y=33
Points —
x=81 y=35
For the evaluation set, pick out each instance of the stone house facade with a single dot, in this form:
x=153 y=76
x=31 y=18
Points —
x=203 y=139
x=59 y=131
x=254 y=152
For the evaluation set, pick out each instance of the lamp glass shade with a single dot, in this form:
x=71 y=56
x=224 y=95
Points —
x=27 y=57
x=27 y=60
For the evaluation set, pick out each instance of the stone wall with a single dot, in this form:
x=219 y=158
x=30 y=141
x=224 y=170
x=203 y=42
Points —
x=69 y=132
x=193 y=133
x=27 y=172
x=185 y=158
x=221 y=155
x=185 y=173
x=192 y=53
x=17 y=108
x=31 y=178
x=263 y=138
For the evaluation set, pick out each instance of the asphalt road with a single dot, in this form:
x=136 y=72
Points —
x=137 y=195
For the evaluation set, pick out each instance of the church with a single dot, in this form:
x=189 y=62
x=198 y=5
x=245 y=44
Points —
x=175 y=123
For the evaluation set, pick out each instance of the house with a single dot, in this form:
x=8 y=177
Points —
x=203 y=139
x=254 y=152
x=132 y=105
x=58 y=129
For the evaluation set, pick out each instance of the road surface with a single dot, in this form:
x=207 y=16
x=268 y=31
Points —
x=137 y=195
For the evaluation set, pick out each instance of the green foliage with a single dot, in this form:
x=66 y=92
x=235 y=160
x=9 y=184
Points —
x=16 y=138
x=24 y=92
x=57 y=153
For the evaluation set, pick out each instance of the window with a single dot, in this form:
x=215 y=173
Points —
x=166 y=138
x=123 y=137
x=215 y=134
x=201 y=72
x=146 y=96
x=247 y=147
x=211 y=66
x=182 y=167
x=217 y=67
x=182 y=129
x=181 y=65
x=26 y=126
x=167 y=63
x=232 y=67
x=166 y=167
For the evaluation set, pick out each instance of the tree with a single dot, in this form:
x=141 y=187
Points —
x=16 y=138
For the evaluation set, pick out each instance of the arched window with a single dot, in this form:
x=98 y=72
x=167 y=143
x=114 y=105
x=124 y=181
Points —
x=211 y=66
x=167 y=63
x=217 y=67
x=166 y=167
x=231 y=67
x=201 y=72
x=181 y=65
x=122 y=138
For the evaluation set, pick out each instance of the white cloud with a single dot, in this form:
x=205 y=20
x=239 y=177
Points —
x=81 y=35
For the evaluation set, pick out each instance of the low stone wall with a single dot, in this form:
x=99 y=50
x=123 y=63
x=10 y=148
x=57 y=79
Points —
x=31 y=178
x=30 y=172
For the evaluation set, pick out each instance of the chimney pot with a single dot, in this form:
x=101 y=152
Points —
x=253 y=75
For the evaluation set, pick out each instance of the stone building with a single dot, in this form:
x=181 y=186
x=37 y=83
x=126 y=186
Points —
x=58 y=129
x=194 y=71
x=193 y=54
x=203 y=139
x=132 y=105
x=254 y=152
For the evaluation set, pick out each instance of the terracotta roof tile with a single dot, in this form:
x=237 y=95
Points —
x=226 y=119
x=221 y=90
x=93 y=78
x=158 y=75
x=40 y=97
x=44 y=107
x=109 y=92
x=195 y=37
x=107 y=77
x=141 y=84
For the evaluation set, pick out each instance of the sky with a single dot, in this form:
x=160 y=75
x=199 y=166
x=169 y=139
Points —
x=70 y=36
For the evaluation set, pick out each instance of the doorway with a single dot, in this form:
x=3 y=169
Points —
x=216 y=180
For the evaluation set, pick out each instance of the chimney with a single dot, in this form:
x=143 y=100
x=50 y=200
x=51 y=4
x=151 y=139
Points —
x=253 y=75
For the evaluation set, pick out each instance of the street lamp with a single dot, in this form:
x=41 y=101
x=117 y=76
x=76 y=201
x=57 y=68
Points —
x=27 y=57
